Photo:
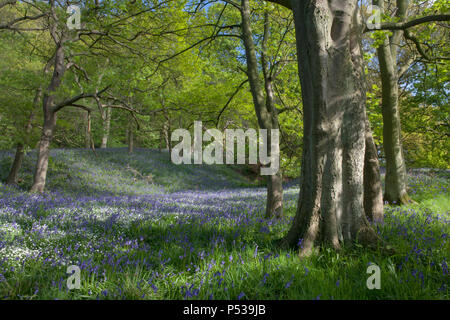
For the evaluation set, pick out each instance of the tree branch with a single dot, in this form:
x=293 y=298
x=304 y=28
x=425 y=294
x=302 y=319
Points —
x=408 y=24
x=71 y=101
x=230 y=99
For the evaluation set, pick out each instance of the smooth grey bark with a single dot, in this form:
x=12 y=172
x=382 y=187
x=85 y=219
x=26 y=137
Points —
x=264 y=104
x=20 y=149
x=331 y=201
x=396 y=178
x=106 y=128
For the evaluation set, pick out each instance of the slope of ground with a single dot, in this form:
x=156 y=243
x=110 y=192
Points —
x=198 y=233
x=114 y=171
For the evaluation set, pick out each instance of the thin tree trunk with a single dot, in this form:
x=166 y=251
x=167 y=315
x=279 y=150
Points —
x=396 y=178
x=167 y=137
x=331 y=200
x=87 y=131
x=16 y=165
x=48 y=128
x=167 y=123
x=373 y=191
x=161 y=139
x=20 y=149
x=274 y=206
x=166 y=127
x=106 y=128
x=264 y=106
x=130 y=137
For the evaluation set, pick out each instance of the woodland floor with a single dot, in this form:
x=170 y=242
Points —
x=198 y=232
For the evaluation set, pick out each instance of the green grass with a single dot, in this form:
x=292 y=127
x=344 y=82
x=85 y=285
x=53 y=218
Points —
x=207 y=249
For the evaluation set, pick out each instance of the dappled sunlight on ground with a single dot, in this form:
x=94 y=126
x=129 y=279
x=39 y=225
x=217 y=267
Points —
x=135 y=240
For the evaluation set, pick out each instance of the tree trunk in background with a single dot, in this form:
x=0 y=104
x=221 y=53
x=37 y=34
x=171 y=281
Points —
x=396 y=178
x=161 y=140
x=16 y=165
x=166 y=127
x=331 y=200
x=106 y=128
x=373 y=191
x=18 y=158
x=40 y=174
x=264 y=107
x=274 y=205
x=87 y=132
x=167 y=137
x=130 y=137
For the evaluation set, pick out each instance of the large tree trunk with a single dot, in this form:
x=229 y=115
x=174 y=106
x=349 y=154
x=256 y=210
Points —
x=40 y=174
x=20 y=149
x=264 y=107
x=331 y=201
x=396 y=178
x=106 y=128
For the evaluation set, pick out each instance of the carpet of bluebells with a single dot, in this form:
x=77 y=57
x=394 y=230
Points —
x=198 y=232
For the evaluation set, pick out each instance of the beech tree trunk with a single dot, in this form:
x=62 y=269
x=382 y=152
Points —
x=331 y=201
x=264 y=106
x=106 y=128
x=396 y=178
